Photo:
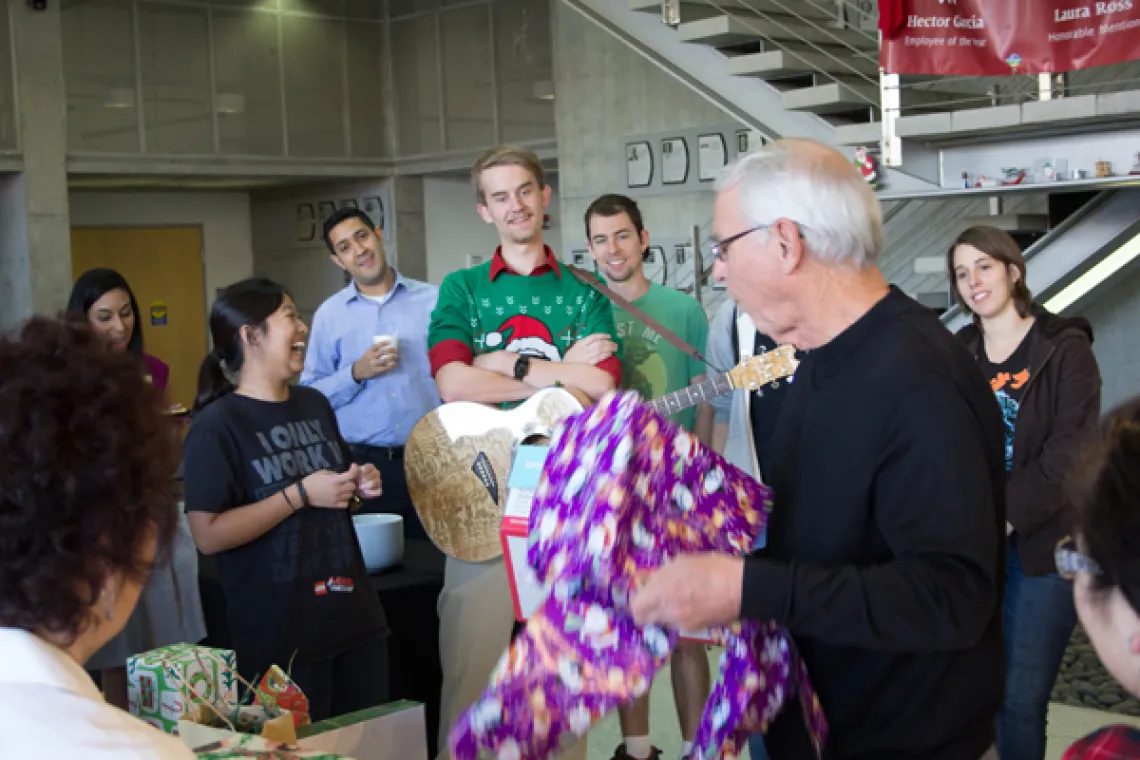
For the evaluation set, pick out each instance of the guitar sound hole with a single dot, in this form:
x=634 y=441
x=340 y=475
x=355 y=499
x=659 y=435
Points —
x=536 y=439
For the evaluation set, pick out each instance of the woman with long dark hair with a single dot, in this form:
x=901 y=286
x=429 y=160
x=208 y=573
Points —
x=170 y=610
x=1104 y=562
x=85 y=508
x=270 y=485
x=105 y=300
x=1046 y=380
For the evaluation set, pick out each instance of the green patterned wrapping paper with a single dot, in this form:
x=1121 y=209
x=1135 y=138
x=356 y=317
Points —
x=163 y=683
x=256 y=747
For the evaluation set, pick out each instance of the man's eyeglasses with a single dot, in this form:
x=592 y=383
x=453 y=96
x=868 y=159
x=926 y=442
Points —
x=1070 y=560
x=720 y=248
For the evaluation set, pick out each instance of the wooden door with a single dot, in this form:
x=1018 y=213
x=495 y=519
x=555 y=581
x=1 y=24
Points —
x=163 y=266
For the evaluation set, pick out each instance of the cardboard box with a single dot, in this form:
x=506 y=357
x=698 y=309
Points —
x=163 y=683
x=526 y=591
x=395 y=731
x=230 y=745
x=526 y=469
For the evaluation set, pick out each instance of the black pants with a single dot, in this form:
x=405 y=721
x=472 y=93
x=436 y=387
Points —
x=395 y=499
x=355 y=680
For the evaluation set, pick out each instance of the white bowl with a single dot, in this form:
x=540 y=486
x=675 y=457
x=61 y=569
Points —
x=381 y=540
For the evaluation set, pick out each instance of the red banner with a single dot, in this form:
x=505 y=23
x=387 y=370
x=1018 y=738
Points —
x=1003 y=37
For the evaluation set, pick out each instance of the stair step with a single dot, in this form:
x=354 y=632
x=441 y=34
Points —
x=869 y=133
x=1010 y=222
x=815 y=9
x=734 y=30
x=775 y=64
x=832 y=97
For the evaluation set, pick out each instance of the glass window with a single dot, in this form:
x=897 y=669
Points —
x=415 y=66
x=524 y=70
x=320 y=7
x=8 y=138
x=368 y=90
x=469 y=96
x=174 y=52
x=248 y=96
x=314 y=86
x=407 y=7
x=265 y=5
x=99 y=74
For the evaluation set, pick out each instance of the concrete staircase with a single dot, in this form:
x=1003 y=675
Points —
x=810 y=68
x=790 y=62
x=820 y=64
x=802 y=74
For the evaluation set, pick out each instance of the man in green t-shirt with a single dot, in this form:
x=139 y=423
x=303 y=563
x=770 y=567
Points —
x=652 y=366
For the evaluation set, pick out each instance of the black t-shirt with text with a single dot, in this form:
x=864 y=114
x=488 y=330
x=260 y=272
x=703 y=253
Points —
x=1008 y=380
x=302 y=587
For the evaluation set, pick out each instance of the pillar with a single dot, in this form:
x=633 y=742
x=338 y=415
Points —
x=35 y=232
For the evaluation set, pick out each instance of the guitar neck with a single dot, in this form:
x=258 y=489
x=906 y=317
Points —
x=677 y=401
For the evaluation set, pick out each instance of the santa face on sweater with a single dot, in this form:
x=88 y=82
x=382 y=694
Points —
x=525 y=336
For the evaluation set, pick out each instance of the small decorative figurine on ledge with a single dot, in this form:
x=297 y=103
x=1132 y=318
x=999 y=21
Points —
x=866 y=166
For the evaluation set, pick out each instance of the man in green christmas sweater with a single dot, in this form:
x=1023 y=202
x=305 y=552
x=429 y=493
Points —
x=618 y=241
x=500 y=332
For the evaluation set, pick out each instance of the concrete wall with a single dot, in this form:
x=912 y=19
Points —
x=604 y=92
x=1114 y=316
x=455 y=230
x=224 y=218
x=287 y=229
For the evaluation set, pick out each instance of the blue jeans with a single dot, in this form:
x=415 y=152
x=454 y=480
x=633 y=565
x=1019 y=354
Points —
x=1037 y=620
x=756 y=747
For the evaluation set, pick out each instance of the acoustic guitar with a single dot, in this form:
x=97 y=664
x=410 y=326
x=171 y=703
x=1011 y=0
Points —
x=458 y=456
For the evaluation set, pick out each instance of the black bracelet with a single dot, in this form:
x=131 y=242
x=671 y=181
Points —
x=285 y=493
x=304 y=495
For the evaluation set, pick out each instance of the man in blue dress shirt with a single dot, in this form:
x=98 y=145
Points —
x=368 y=354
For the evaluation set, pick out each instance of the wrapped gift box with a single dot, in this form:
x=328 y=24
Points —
x=526 y=591
x=277 y=690
x=163 y=683
x=623 y=490
x=526 y=469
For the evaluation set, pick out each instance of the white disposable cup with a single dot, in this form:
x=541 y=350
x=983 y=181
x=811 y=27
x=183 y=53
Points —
x=392 y=339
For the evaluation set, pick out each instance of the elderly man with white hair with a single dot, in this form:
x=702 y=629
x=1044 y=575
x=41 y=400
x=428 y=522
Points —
x=884 y=552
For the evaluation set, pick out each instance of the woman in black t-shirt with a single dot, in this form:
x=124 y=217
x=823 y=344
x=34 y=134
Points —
x=1043 y=373
x=269 y=490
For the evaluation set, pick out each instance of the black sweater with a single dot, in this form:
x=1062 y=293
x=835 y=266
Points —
x=885 y=552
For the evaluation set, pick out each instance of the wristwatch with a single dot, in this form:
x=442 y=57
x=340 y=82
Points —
x=522 y=366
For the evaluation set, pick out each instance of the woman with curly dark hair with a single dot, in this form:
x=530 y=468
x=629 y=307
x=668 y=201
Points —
x=84 y=507
x=269 y=483
x=1104 y=562
x=1046 y=380
x=170 y=610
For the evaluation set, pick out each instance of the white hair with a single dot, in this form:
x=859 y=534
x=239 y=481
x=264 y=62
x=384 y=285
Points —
x=817 y=187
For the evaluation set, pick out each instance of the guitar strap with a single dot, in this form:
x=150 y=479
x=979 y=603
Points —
x=588 y=278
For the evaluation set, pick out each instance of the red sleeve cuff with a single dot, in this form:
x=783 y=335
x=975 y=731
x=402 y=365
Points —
x=447 y=351
x=613 y=366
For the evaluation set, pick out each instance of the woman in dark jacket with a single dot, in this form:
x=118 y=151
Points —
x=1045 y=377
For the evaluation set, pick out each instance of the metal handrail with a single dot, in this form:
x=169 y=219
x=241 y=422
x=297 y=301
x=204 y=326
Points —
x=747 y=23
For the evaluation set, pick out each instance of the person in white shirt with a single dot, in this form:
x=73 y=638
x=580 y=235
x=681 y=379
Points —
x=84 y=507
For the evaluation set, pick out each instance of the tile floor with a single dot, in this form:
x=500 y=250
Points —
x=1066 y=724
